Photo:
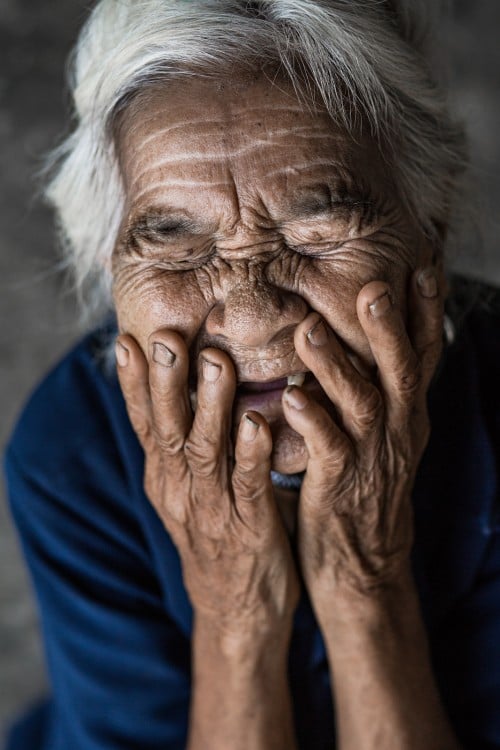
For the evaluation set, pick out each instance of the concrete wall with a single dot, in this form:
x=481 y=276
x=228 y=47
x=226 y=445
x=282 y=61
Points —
x=37 y=318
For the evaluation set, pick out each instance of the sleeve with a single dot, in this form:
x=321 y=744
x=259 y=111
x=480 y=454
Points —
x=468 y=657
x=118 y=663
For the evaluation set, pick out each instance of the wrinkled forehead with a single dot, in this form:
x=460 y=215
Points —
x=226 y=97
x=203 y=133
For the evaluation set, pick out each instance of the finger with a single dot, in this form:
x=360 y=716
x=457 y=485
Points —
x=330 y=450
x=208 y=444
x=357 y=401
x=426 y=312
x=251 y=478
x=399 y=369
x=168 y=384
x=132 y=370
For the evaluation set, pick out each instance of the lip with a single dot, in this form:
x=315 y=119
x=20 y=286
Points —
x=263 y=386
x=260 y=399
x=258 y=395
x=265 y=395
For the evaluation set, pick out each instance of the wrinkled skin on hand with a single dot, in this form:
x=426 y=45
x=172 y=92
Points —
x=355 y=518
x=220 y=513
x=248 y=217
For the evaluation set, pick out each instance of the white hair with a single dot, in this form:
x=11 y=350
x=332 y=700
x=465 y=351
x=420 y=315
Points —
x=369 y=61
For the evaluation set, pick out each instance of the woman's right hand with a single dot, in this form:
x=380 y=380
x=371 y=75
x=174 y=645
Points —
x=222 y=515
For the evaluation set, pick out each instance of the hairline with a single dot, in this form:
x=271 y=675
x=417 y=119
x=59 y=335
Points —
x=419 y=131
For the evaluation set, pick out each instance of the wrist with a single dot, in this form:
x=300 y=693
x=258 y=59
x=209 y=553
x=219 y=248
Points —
x=240 y=693
x=393 y=605
x=243 y=646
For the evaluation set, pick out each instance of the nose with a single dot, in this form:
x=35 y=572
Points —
x=256 y=314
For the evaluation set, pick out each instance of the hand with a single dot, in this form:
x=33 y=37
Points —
x=355 y=516
x=236 y=560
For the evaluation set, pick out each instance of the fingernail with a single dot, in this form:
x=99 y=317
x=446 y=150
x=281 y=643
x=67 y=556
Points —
x=427 y=283
x=122 y=354
x=211 y=371
x=162 y=355
x=249 y=429
x=381 y=305
x=296 y=397
x=318 y=335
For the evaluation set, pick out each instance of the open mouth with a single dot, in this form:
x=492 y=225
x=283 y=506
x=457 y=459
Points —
x=261 y=394
x=267 y=395
x=299 y=379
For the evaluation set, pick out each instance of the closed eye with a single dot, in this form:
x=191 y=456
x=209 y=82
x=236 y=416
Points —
x=159 y=229
x=316 y=250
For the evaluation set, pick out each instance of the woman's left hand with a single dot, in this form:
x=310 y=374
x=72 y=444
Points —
x=355 y=515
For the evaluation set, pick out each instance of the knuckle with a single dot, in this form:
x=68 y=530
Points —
x=367 y=410
x=169 y=445
x=244 y=486
x=202 y=456
x=409 y=380
x=163 y=401
x=332 y=478
x=332 y=453
x=339 y=464
x=327 y=435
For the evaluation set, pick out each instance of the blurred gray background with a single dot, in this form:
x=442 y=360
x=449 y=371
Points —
x=37 y=315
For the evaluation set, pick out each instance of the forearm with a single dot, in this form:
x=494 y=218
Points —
x=385 y=693
x=240 y=695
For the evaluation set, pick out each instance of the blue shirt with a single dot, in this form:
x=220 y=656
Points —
x=115 y=616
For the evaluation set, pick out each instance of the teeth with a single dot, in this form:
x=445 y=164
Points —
x=194 y=400
x=297 y=379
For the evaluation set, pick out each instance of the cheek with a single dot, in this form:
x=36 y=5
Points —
x=332 y=287
x=147 y=301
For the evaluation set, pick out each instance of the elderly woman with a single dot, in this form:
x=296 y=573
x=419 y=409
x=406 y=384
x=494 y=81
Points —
x=277 y=527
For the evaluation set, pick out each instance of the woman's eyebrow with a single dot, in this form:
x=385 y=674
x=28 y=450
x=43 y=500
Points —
x=327 y=202
x=323 y=202
x=163 y=222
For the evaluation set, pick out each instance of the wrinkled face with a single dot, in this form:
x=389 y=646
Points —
x=245 y=211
